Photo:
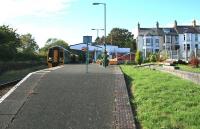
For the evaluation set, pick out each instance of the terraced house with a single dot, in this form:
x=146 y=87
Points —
x=179 y=41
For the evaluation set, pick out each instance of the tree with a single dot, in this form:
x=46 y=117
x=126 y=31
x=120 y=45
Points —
x=28 y=44
x=53 y=42
x=138 y=58
x=9 y=42
x=99 y=40
x=119 y=37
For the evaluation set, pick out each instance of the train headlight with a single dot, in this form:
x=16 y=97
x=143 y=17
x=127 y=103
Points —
x=50 y=58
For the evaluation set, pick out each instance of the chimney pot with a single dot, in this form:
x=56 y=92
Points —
x=175 y=24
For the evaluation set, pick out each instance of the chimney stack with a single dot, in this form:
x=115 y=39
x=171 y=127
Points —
x=138 y=26
x=157 y=24
x=194 y=23
x=175 y=24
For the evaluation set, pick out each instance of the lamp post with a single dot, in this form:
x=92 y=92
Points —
x=104 y=30
x=97 y=31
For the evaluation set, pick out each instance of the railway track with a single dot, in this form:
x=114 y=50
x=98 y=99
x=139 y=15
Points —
x=5 y=87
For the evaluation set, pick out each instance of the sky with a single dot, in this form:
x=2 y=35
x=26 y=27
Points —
x=70 y=20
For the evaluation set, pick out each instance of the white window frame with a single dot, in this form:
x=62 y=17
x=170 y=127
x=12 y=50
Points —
x=196 y=38
x=148 y=43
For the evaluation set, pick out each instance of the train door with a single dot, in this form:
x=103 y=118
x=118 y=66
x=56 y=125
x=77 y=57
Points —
x=55 y=57
x=50 y=58
x=61 y=56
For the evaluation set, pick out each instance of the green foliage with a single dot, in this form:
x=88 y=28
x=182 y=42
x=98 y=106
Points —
x=163 y=55
x=189 y=68
x=99 y=40
x=153 y=57
x=28 y=44
x=127 y=62
x=163 y=101
x=138 y=57
x=100 y=57
x=53 y=42
x=105 y=59
x=119 y=37
x=16 y=47
x=20 y=56
x=9 y=42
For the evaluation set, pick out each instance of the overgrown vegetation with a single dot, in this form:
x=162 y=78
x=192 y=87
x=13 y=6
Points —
x=194 y=61
x=163 y=101
x=15 y=47
x=138 y=57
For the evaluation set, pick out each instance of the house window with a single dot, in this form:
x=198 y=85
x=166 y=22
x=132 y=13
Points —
x=148 y=41
x=156 y=50
x=177 y=47
x=184 y=37
x=157 y=40
x=157 y=44
x=196 y=46
x=168 y=39
x=196 y=37
x=188 y=46
x=188 y=38
x=176 y=39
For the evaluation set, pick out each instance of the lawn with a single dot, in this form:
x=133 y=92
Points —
x=189 y=68
x=163 y=101
x=17 y=74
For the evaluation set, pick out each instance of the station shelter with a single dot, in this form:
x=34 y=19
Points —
x=96 y=50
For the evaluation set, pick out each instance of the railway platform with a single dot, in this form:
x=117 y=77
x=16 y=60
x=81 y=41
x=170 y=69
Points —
x=68 y=98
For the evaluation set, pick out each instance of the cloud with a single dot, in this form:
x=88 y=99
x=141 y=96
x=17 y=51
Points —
x=16 y=8
x=14 y=13
x=41 y=34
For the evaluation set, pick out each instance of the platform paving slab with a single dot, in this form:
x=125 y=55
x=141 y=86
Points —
x=66 y=98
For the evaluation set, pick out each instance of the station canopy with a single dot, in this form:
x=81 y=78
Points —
x=109 y=48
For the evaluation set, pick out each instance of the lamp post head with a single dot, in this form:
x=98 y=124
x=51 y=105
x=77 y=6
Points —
x=96 y=3
x=97 y=29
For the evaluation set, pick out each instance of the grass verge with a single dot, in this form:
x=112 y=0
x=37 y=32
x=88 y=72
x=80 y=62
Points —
x=17 y=74
x=189 y=68
x=163 y=101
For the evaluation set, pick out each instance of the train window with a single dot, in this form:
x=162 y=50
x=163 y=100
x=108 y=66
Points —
x=61 y=54
x=50 y=53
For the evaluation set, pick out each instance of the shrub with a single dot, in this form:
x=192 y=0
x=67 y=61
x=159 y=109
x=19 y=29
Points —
x=181 y=62
x=127 y=62
x=153 y=58
x=138 y=58
x=192 y=55
x=194 y=62
x=163 y=55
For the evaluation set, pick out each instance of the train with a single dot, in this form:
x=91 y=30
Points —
x=58 y=55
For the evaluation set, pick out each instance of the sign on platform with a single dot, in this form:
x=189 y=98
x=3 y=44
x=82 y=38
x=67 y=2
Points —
x=87 y=39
